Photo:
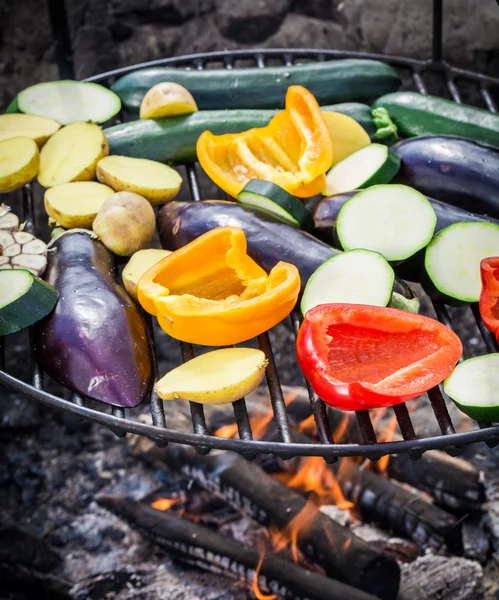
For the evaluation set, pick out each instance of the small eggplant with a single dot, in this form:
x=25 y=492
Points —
x=452 y=169
x=269 y=240
x=95 y=341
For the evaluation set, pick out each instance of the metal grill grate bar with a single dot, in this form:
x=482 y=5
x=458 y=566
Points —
x=404 y=421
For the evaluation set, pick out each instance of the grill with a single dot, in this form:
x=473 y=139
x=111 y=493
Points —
x=449 y=81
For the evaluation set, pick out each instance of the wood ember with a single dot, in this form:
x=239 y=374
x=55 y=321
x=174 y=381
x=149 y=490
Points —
x=203 y=547
x=250 y=489
x=21 y=546
x=437 y=577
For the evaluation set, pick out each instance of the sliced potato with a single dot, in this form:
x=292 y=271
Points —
x=216 y=377
x=167 y=99
x=19 y=163
x=155 y=181
x=140 y=262
x=19 y=125
x=72 y=154
x=347 y=135
x=76 y=204
x=125 y=223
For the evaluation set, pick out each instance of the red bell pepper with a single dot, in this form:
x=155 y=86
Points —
x=358 y=357
x=489 y=296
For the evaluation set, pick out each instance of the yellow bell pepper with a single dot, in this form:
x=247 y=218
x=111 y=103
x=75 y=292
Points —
x=211 y=292
x=294 y=150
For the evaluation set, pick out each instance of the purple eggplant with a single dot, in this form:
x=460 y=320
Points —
x=269 y=240
x=95 y=341
x=455 y=170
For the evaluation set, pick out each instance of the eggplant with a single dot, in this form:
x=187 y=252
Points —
x=269 y=240
x=327 y=210
x=452 y=169
x=95 y=341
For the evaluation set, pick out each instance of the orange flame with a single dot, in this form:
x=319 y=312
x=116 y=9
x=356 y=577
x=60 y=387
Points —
x=259 y=595
x=340 y=430
x=227 y=431
x=386 y=436
x=298 y=524
x=165 y=503
x=307 y=426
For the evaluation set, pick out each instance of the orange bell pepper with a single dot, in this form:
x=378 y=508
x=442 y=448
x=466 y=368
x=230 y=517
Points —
x=294 y=150
x=211 y=292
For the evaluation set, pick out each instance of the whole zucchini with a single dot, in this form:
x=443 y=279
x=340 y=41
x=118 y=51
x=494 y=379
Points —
x=269 y=240
x=95 y=341
x=417 y=114
x=329 y=81
x=173 y=140
x=452 y=169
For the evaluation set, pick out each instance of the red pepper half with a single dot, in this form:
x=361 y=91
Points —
x=358 y=357
x=489 y=296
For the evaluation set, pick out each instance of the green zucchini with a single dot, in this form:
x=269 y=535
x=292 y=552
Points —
x=271 y=198
x=417 y=114
x=25 y=299
x=173 y=139
x=13 y=107
x=329 y=81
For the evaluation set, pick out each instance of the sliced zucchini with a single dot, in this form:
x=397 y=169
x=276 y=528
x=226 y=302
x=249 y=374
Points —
x=474 y=387
x=354 y=277
x=394 y=220
x=271 y=198
x=371 y=165
x=452 y=260
x=69 y=101
x=24 y=299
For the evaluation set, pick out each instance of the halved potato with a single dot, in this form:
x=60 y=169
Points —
x=76 y=204
x=19 y=162
x=140 y=262
x=167 y=99
x=347 y=135
x=216 y=377
x=19 y=125
x=155 y=181
x=72 y=154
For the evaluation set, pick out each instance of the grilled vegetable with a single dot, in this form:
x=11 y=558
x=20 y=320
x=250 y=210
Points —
x=473 y=385
x=8 y=220
x=271 y=198
x=69 y=101
x=211 y=292
x=75 y=204
x=156 y=182
x=125 y=223
x=167 y=99
x=139 y=263
x=355 y=277
x=36 y=128
x=329 y=81
x=22 y=250
x=452 y=260
x=19 y=162
x=371 y=165
x=347 y=135
x=72 y=154
x=174 y=139
x=95 y=342
x=269 y=240
x=217 y=377
x=358 y=357
x=452 y=169
x=489 y=295
x=394 y=220
x=24 y=299
x=417 y=114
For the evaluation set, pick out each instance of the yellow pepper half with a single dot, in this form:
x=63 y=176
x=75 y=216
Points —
x=211 y=292
x=294 y=150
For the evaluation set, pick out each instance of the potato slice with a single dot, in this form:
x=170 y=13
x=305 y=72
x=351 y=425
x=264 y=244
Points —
x=19 y=162
x=155 y=181
x=140 y=262
x=167 y=99
x=347 y=135
x=72 y=154
x=19 y=125
x=76 y=204
x=216 y=377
